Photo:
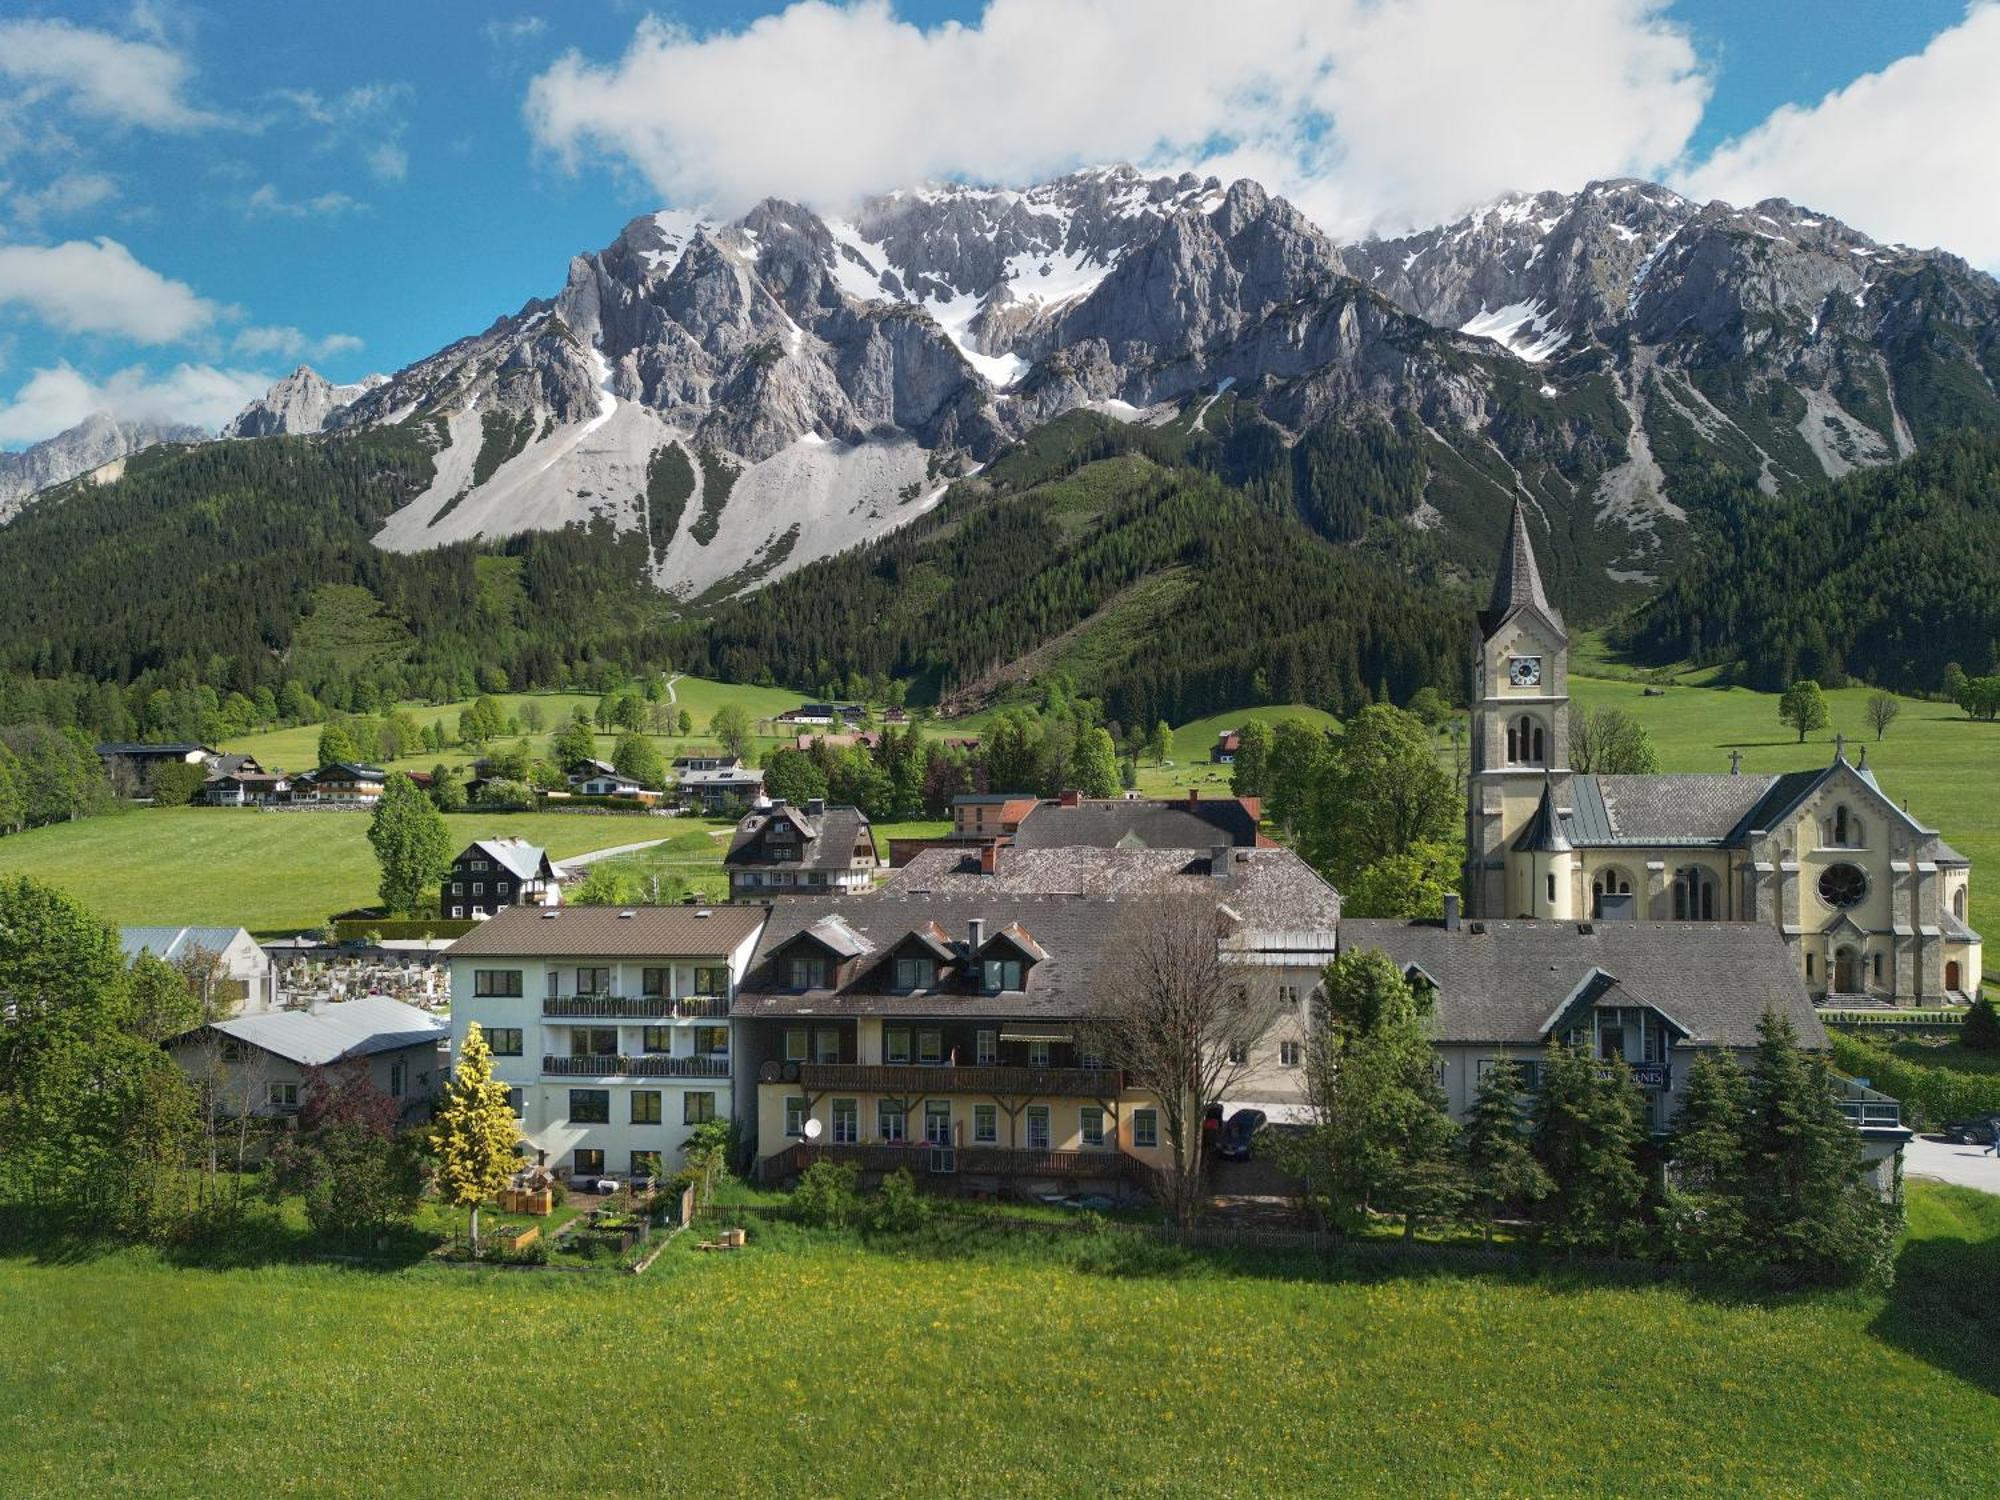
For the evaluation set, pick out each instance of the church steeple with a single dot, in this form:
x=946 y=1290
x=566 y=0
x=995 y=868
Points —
x=1518 y=580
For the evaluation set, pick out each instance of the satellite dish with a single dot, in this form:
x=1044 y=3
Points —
x=812 y=1130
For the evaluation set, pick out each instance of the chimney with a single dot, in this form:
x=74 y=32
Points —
x=989 y=859
x=975 y=935
x=1070 y=799
x=1451 y=911
x=1194 y=798
x=1219 y=859
x=1736 y=763
x=815 y=807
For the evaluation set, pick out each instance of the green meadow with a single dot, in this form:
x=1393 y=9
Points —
x=278 y=872
x=978 y=1361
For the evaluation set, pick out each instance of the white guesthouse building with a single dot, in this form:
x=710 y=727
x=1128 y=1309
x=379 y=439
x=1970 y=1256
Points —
x=609 y=1026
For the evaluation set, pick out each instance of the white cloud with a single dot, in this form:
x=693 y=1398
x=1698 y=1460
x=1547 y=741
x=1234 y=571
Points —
x=268 y=201
x=101 y=75
x=1366 y=111
x=287 y=342
x=1905 y=154
x=514 y=31
x=69 y=194
x=59 y=398
x=368 y=119
x=389 y=162
x=98 y=287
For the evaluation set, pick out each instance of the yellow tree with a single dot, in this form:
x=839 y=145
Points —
x=475 y=1133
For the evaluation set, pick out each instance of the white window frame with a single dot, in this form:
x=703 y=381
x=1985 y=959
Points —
x=896 y=1040
x=985 y=1124
x=796 y=1114
x=1038 y=1054
x=1031 y=1115
x=1090 y=1126
x=1146 y=1129
x=986 y=1048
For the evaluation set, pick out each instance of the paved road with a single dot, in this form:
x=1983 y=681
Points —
x=1968 y=1166
x=576 y=860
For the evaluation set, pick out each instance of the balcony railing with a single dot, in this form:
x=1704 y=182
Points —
x=921 y=1158
x=1866 y=1108
x=896 y=1078
x=639 y=1007
x=656 y=1065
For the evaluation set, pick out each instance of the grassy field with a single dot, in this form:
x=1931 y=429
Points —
x=297 y=748
x=972 y=1363
x=273 y=872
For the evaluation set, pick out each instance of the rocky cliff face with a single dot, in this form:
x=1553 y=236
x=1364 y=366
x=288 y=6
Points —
x=759 y=393
x=95 y=442
x=303 y=402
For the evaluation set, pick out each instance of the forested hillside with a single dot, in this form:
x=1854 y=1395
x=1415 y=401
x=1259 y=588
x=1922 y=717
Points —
x=1095 y=551
x=1889 y=575
x=247 y=565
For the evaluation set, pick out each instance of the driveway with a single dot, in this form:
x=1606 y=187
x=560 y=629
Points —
x=1968 y=1166
x=576 y=861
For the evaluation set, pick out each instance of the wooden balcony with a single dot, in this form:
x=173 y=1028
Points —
x=654 y=1065
x=638 y=1007
x=910 y=1081
x=920 y=1159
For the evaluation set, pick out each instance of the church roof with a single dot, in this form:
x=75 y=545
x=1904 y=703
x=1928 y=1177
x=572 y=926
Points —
x=1517 y=582
x=1543 y=833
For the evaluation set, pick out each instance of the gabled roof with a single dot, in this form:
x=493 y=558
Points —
x=524 y=860
x=1517 y=582
x=726 y=776
x=1017 y=935
x=138 y=748
x=838 y=938
x=332 y=1033
x=1500 y=983
x=590 y=766
x=827 y=839
x=172 y=943
x=1139 y=823
x=611 y=932
x=349 y=770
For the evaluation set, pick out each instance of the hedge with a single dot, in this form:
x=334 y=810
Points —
x=1931 y=1096
x=401 y=929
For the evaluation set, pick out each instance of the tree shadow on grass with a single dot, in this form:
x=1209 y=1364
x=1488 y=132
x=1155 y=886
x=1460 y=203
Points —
x=252 y=1244
x=1944 y=1308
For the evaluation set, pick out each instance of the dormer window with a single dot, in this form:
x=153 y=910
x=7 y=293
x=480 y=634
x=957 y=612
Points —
x=998 y=974
x=808 y=973
x=915 y=974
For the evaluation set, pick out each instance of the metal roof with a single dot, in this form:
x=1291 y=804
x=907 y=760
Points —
x=331 y=1033
x=171 y=943
x=611 y=932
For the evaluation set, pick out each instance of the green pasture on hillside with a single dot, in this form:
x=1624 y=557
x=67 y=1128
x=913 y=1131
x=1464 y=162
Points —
x=274 y=872
x=977 y=1362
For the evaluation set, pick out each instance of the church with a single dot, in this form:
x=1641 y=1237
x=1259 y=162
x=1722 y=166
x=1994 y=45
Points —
x=1872 y=903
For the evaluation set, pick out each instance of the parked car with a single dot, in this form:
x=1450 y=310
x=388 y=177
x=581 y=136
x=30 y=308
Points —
x=1233 y=1142
x=1970 y=1132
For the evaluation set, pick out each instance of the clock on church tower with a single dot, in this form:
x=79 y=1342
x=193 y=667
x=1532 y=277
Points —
x=1524 y=671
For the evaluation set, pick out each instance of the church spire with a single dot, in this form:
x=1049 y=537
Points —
x=1517 y=581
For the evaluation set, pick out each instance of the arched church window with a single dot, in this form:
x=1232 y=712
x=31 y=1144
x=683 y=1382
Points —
x=1840 y=824
x=1958 y=903
x=1694 y=895
x=1525 y=745
x=1607 y=883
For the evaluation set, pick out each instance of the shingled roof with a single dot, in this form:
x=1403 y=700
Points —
x=1504 y=982
x=827 y=839
x=1267 y=888
x=1517 y=582
x=1139 y=823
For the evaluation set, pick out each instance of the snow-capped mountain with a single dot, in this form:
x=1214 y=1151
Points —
x=303 y=402
x=759 y=393
x=95 y=442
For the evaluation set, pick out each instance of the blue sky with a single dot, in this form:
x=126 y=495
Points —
x=194 y=198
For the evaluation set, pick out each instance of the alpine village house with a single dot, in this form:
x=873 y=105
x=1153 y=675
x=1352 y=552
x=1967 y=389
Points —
x=941 y=1020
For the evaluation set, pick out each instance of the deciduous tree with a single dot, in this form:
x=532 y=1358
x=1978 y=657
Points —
x=1607 y=741
x=474 y=1134
x=1804 y=708
x=1881 y=712
x=1250 y=772
x=1181 y=1023
x=412 y=844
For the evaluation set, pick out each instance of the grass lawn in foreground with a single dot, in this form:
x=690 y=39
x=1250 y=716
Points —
x=977 y=1363
x=271 y=872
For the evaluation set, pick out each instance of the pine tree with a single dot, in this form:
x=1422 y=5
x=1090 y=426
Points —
x=1586 y=1136
x=1980 y=1033
x=1500 y=1170
x=412 y=844
x=1806 y=1203
x=1704 y=1209
x=474 y=1134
